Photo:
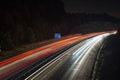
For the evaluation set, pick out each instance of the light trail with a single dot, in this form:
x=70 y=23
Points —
x=13 y=64
x=77 y=58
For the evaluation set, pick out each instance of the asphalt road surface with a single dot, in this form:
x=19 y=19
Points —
x=67 y=59
x=75 y=63
x=27 y=58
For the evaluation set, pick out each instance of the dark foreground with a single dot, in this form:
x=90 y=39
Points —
x=111 y=55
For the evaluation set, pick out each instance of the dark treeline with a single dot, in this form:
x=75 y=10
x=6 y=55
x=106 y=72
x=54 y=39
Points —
x=85 y=23
x=27 y=21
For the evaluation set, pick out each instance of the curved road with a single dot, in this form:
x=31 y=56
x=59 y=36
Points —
x=63 y=66
x=74 y=64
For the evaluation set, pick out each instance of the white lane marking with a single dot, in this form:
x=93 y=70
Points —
x=79 y=63
x=45 y=67
x=81 y=52
x=36 y=73
x=12 y=65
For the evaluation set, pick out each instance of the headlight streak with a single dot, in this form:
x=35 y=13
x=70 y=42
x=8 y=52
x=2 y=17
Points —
x=49 y=64
x=82 y=52
x=77 y=58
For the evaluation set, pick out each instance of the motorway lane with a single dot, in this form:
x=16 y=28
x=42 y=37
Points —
x=2 y=63
x=13 y=64
x=16 y=65
x=73 y=64
x=7 y=61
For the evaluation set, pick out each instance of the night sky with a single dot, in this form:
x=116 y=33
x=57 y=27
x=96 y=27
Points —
x=112 y=7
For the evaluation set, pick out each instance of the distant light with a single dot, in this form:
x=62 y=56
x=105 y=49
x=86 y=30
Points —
x=115 y=32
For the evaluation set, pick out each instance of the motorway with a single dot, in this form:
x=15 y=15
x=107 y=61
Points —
x=72 y=64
